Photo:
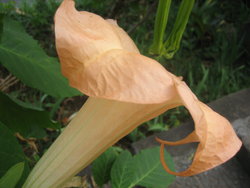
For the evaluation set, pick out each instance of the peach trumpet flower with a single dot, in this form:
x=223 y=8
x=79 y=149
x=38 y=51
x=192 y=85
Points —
x=125 y=89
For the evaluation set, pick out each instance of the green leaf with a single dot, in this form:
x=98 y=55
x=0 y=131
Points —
x=122 y=171
x=24 y=58
x=12 y=176
x=102 y=166
x=160 y=26
x=143 y=169
x=172 y=44
x=28 y=122
x=202 y=83
x=157 y=127
x=149 y=170
x=11 y=153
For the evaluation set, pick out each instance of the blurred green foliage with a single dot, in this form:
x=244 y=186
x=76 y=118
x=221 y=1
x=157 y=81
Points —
x=214 y=60
x=12 y=176
x=11 y=154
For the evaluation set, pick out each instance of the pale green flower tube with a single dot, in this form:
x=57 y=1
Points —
x=98 y=125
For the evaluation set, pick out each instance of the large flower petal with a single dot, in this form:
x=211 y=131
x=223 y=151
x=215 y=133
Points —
x=81 y=36
x=124 y=76
x=101 y=60
x=217 y=139
x=126 y=42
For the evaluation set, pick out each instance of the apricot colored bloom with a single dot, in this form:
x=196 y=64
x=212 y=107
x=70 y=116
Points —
x=100 y=60
x=125 y=89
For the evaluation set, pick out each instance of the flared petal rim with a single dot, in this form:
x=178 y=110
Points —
x=101 y=60
x=215 y=135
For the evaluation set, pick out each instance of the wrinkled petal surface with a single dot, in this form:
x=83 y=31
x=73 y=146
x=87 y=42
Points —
x=101 y=60
x=217 y=139
x=126 y=42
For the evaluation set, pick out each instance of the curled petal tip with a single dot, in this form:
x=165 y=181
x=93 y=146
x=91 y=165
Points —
x=158 y=140
x=192 y=137
x=162 y=159
x=215 y=135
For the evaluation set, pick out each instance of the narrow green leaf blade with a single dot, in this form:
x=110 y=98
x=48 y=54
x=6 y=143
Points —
x=149 y=171
x=11 y=152
x=122 y=171
x=12 y=176
x=102 y=166
x=172 y=44
x=160 y=26
x=24 y=58
x=28 y=122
